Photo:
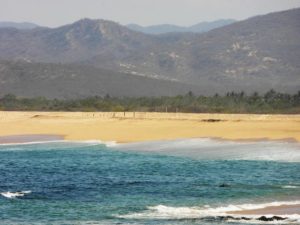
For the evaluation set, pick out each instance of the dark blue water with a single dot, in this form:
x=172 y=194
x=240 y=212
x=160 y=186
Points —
x=81 y=183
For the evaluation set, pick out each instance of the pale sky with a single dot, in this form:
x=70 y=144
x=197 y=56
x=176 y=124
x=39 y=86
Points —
x=54 y=13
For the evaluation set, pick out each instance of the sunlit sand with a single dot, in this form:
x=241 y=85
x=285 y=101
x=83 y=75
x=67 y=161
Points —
x=133 y=127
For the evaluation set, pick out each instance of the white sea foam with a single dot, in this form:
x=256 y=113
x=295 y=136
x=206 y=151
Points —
x=15 y=194
x=206 y=148
x=58 y=144
x=30 y=143
x=168 y=212
x=65 y=222
x=197 y=148
x=290 y=186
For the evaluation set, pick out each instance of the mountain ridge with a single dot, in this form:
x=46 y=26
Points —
x=170 y=28
x=17 y=25
x=252 y=55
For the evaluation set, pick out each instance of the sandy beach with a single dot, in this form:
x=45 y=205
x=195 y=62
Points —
x=133 y=127
x=273 y=210
x=20 y=127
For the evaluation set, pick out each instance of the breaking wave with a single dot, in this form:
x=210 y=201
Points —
x=214 y=149
x=220 y=213
x=15 y=194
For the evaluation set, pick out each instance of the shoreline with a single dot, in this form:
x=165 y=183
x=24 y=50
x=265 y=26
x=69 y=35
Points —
x=40 y=138
x=23 y=139
x=138 y=126
x=282 y=210
x=24 y=127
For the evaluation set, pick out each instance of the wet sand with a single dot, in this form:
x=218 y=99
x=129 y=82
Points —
x=274 y=210
x=22 y=127
x=19 y=139
x=133 y=127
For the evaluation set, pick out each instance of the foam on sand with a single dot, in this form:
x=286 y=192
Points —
x=215 y=149
x=58 y=144
x=219 y=213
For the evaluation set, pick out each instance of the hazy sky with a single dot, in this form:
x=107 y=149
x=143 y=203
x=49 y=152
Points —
x=145 y=12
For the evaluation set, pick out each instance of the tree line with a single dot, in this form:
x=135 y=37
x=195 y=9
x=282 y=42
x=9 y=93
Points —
x=232 y=102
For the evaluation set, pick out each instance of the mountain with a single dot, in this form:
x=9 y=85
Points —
x=256 y=54
x=157 y=29
x=22 y=26
x=77 y=81
x=77 y=42
x=207 y=26
x=168 y=28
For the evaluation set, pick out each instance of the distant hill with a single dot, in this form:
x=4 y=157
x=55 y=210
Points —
x=22 y=26
x=168 y=28
x=256 y=54
x=78 y=81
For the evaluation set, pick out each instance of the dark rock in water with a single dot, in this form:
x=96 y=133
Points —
x=274 y=218
x=279 y=218
x=226 y=218
x=230 y=217
x=224 y=185
x=245 y=218
x=264 y=218
x=211 y=219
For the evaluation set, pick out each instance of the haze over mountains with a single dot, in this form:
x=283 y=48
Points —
x=22 y=26
x=98 y=57
x=169 y=28
x=155 y=29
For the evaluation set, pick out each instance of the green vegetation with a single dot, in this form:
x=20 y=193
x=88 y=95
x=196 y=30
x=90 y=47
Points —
x=270 y=102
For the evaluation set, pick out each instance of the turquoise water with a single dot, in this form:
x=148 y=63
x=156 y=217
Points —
x=90 y=183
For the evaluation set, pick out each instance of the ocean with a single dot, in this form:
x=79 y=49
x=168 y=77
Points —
x=189 y=181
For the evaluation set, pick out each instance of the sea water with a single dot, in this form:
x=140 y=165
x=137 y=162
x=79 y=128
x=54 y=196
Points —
x=194 y=181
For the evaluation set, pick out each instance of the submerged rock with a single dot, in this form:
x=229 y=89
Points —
x=224 y=185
